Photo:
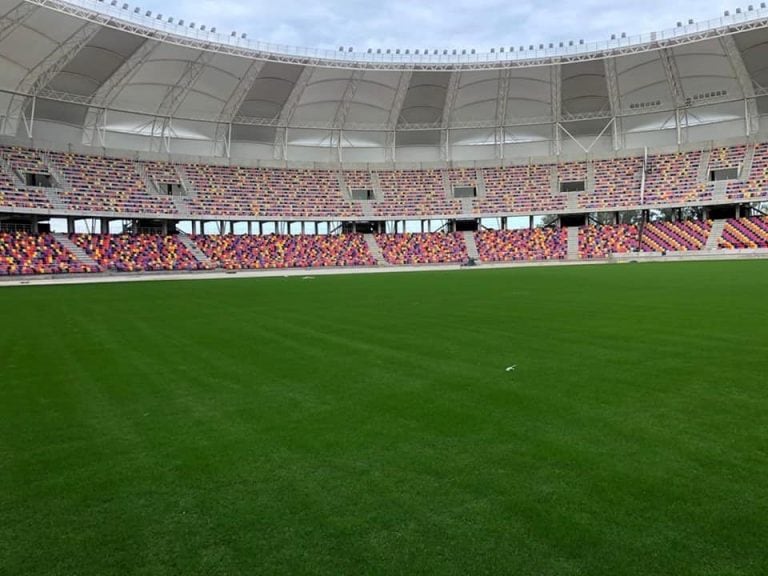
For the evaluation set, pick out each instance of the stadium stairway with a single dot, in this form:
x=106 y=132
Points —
x=54 y=198
x=375 y=249
x=367 y=208
x=720 y=191
x=79 y=253
x=58 y=175
x=6 y=167
x=195 y=250
x=469 y=242
x=573 y=243
x=703 y=169
x=715 y=234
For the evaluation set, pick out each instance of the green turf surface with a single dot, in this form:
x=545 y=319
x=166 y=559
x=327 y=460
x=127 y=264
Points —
x=367 y=425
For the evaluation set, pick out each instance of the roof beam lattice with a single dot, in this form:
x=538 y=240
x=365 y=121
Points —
x=745 y=83
x=614 y=99
x=110 y=89
x=14 y=18
x=38 y=77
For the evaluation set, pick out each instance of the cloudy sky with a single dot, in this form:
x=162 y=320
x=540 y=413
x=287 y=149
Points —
x=429 y=24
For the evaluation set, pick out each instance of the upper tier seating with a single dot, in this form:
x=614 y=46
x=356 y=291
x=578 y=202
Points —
x=95 y=184
x=103 y=184
x=414 y=193
x=142 y=252
x=25 y=160
x=26 y=254
x=282 y=251
x=617 y=184
x=756 y=185
x=745 y=233
x=673 y=178
x=462 y=177
x=426 y=248
x=519 y=189
x=522 y=245
x=278 y=193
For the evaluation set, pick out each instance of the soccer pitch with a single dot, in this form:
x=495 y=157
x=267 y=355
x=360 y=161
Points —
x=368 y=425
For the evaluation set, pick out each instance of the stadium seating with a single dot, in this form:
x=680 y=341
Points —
x=98 y=185
x=278 y=193
x=26 y=254
x=617 y=184
x=283 y=251
x=522 y=245
x=756 y=185
x=602 y=241
x=740 y=233
x=673 y=179
x=519 y=190
x=25 y=160
x=414 y=193
x=427 y=248
x=676 y=236
x=142 y=252
x=101 y=184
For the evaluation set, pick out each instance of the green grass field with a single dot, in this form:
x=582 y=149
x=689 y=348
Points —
x=367 y=425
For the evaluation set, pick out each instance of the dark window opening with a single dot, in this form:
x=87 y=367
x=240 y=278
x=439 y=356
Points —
x=723 y=174
x=464 y=192
x=573 y=186
x=362 y=194
x=38 y=180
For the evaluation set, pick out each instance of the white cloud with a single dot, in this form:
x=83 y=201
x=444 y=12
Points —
x=479 y=24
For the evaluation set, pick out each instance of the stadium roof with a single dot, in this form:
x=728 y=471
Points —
x=100 y=74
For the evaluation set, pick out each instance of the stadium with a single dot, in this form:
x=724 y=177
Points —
x=432 y=310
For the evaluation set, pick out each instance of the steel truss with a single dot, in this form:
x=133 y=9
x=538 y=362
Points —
x=654 y=43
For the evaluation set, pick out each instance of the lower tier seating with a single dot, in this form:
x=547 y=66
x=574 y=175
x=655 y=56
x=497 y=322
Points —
x=414 y=248
x=684 y=236
x=282 y=251
x=520 y=245
x=139 y=253
x=26 y=254
x=740 y=233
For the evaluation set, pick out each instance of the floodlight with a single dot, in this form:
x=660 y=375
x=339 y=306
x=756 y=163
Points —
x=148 y=13
x=125 y=6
